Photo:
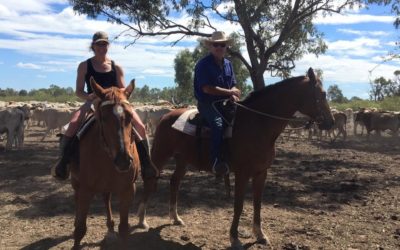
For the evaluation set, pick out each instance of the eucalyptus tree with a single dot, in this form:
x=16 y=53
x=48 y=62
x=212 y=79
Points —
x=275 y=33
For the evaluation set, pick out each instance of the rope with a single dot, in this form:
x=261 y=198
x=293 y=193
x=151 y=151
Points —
x=267 y=115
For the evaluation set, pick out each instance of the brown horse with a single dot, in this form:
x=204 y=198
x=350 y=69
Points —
x=108 y=160
x=260 y=118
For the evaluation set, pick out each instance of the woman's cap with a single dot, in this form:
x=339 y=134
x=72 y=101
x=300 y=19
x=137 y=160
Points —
x=218 y=37
x=100 y=36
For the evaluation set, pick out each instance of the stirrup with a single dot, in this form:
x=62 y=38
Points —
x=220 y=168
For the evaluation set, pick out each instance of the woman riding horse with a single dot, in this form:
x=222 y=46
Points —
x=108 y=160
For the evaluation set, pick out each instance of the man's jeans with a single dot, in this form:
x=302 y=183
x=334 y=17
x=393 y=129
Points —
x=216 y=124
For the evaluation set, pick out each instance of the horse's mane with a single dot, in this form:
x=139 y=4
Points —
x=270 y=88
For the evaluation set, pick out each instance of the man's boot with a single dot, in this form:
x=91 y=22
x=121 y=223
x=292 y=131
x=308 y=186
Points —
x=148 y=169
x=60 y=170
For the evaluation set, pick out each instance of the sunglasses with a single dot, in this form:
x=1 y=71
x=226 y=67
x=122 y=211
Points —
x=216 y=45
x=101 y=44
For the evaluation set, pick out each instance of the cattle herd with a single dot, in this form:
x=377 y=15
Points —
x=15 y=117
x=359 y=122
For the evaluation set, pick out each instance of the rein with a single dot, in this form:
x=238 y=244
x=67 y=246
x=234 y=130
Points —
x=266 y=114
x=255 y=111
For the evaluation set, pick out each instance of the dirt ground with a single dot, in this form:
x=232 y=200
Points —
x=318 y=195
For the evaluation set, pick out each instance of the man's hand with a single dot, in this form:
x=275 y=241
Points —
x=235 y=92
x=234 y=98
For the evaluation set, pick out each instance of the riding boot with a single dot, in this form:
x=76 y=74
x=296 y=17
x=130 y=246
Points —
x=147 y=167
x=60 y=170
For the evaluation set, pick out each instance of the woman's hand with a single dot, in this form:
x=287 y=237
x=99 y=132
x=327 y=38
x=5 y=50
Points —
x=91 y=97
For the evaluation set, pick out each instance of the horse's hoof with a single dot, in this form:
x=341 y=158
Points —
x=264 y=241
x=236 y=244
x=179 y=222
x=111 y=236
x=143 y=225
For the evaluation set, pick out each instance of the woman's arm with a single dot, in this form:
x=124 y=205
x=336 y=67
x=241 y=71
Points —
x=80 y=83
x=120 y=76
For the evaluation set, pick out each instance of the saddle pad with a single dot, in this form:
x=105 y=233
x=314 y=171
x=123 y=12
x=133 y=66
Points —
x=182 y=125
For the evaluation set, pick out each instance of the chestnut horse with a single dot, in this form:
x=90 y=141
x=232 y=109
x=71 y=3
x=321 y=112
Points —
x=259 y=120
x=108 y=160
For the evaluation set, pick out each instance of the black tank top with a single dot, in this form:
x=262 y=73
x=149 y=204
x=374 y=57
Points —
x=105 y=79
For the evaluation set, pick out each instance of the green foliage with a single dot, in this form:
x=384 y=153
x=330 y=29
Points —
x=275 y=33
x=184 y=65
x=389 y=104
x=334 y=94
x=394 y=4
x=382 y=87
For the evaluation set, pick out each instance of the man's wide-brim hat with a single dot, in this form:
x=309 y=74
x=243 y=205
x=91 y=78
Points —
x=218 y=37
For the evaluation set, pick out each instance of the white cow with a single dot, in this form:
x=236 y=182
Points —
x=12 y=123
x=56 y=118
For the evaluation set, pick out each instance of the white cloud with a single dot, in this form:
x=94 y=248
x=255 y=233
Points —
x=364 y=33
x=345 y=71
x=361 y=46
x=28 y=65
x=62 y=38
x=29 y=6
x=352 y=19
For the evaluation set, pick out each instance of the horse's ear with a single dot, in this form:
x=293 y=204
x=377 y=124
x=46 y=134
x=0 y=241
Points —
x=130 y=88
x=311 y=75
x=97 y=89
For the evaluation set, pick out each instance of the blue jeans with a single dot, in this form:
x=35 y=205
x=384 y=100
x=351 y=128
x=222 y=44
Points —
x=217 y=126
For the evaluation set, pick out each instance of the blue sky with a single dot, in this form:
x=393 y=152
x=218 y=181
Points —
x=43 y=41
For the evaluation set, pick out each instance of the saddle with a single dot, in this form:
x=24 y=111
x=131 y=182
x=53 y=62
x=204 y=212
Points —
x=192 y=123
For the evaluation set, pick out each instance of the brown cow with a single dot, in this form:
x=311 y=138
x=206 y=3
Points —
x=380 y=121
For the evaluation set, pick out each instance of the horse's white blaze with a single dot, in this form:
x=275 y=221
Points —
x=118 y=111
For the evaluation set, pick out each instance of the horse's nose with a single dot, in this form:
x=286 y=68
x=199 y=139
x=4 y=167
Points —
x=122 y=161
x=326 y=124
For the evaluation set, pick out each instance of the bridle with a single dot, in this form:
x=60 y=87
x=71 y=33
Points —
x=317 y=100
x=106 y=146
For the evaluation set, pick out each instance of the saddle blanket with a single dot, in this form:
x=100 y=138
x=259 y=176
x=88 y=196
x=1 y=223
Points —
x=182 y=125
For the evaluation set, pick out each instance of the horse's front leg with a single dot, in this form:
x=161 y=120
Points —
x=150 y=186
x=125 y=200
x=107 y=203
x=175 y=182
x=241 y=180
x=83 y=198
x=258 y=187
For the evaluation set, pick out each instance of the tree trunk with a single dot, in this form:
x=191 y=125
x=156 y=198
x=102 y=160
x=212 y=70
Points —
x=258 y=80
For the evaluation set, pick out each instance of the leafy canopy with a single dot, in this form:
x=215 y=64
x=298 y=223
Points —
x=274 y=33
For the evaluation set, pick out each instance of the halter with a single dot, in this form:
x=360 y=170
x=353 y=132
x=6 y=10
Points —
x=318 y=101
x=103 y=139
x=317 y=105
